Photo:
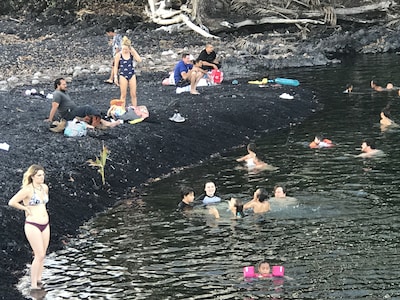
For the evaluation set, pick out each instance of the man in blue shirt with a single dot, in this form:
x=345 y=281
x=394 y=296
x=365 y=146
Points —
x=185 y=75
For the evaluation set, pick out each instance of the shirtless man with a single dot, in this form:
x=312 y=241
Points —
x=369 y=150
x=259 y=203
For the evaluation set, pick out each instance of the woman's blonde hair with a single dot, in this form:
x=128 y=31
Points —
x=126 y=41
x=32 y=171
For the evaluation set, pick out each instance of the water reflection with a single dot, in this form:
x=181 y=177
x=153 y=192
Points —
x=340 y=241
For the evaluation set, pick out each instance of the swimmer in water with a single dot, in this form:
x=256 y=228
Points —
x=259 y=203
x=235 y=206
x=210 y=197
x=263 y=268
x=252 y=161
x=386 y=120
x=378 y=88
x=318 y=142
x=187 y=194
x=279 y=191
x=368 y=150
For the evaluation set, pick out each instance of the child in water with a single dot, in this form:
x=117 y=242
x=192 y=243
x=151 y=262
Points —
x=263 y=268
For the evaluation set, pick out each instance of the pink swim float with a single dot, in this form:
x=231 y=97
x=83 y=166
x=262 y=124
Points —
x=277 y=271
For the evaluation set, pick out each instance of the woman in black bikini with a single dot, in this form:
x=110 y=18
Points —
x=32 y=198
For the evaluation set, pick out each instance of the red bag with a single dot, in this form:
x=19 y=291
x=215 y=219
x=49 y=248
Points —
x=216 y=76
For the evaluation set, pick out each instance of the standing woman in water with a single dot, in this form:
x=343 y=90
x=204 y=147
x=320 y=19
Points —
x=32 y=198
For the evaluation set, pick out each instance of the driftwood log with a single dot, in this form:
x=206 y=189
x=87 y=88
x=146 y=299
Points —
x=202 y=16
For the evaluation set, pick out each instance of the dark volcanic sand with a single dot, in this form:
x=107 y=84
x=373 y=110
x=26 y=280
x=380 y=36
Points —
x=220 y=118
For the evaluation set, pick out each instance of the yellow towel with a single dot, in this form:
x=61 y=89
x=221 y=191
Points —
x=263 y=81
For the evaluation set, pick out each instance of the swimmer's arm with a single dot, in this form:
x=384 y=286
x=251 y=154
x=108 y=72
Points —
x=214 y=211
x=243 y=158
x=248 y=205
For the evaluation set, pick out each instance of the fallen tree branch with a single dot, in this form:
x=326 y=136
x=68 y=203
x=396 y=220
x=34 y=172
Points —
x=351 y=11
x=274 y=20
x=164 y=16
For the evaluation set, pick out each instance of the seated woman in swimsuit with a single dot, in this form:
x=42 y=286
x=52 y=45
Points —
x=32 y=198
x=124 y=63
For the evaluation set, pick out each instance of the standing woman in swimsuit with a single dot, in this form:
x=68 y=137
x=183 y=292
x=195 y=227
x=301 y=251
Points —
x=124 y=66
x=32 y=198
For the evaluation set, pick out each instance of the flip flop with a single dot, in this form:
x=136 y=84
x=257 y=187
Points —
x=108 y=81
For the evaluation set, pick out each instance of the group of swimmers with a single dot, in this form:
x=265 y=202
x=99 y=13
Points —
x=258 y=204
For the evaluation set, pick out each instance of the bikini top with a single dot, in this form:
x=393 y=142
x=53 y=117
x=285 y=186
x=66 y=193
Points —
x=35 y=200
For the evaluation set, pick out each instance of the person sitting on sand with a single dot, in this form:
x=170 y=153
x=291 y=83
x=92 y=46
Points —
x=209 y=58
x=235 y=206
x=187 y=194
x=210 y=197
x=318 y=142
x=378 y=88
x=185 y=75
x=251 y=159
x=368 y=149
x=68 y=110
x=386 y=120
x=259 y=203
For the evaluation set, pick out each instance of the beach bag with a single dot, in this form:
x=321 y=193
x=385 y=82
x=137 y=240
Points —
x=75 y=128
x=216 y=76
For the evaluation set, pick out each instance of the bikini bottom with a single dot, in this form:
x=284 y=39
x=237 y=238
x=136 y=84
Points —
x=41 y=227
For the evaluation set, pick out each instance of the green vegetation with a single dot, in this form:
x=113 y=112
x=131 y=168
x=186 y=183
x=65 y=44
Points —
x=100 y=163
